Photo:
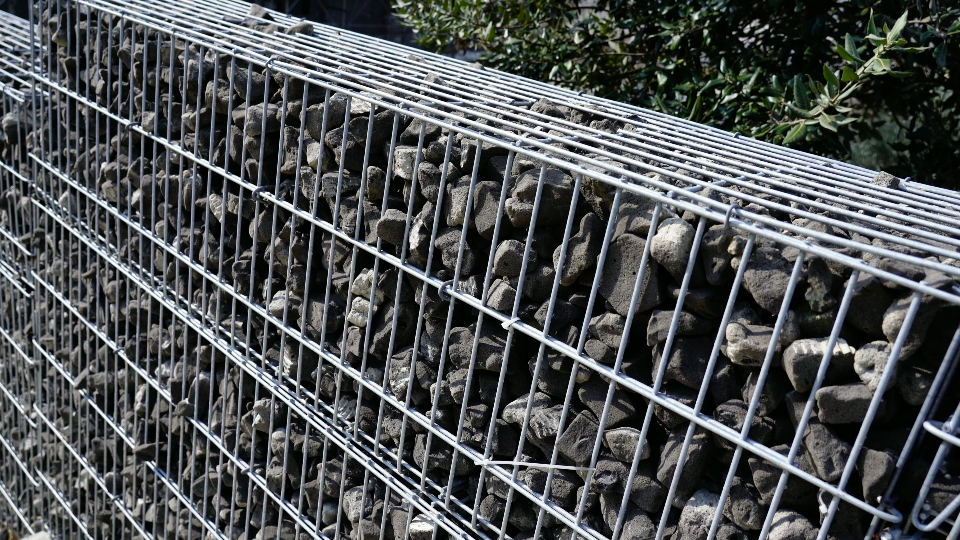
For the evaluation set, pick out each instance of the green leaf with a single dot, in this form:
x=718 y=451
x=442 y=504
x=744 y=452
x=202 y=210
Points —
x=802 y=113
x=881 y=66
x=871 y=26
x=894 y=34
x=940 y=53
x=850 y=46
x=800 y=93
x=831 y=78
x=795 y=134
x=829 y=122
x=844 y=54
x=849 y=75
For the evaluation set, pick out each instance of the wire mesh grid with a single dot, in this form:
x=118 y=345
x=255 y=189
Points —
x=20 y=447
x=292 y=282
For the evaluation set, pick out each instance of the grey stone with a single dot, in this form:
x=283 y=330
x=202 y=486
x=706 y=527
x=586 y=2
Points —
x=564 y=313
x=582 y=249
x=671 y=246
x=593 y=395
x=608 y=328
x=733 y=414
x=508 y=258
x=455 y=203
x=723 y=382
x=490 y=347
x=555 y=198
x=486 y=207
x=252 y=119
x=687 y=325
x=420 y=239
x=697 y=515
x=538 y=283
x=596 y=349
x=748 y=344
x=620 y=276
x=576 y=442
x=687 y=363
x=609 y=476
x=647 y=492
x=707 y=302
x=801 y=362
x=887 y=180
x=774 y=389
x=501 y=296
x=716 y=258
x=827 y=452
x=914 y=385
x=790 y=525
x=684 y=394
x=422 y=528
x=635 y=215
x=544 y=426
x=743 y=507
x=766 y=477
x=843 y=404
x=819 y=283
x=449 y=244
x=868 y=305
x=430 y=176
x=766 y=278
x=895 y=316
x=698 y=454
x=622 y=443
x=876 y=468
x=729 y=531
x=515 y=410
x=636 y=523
x=404 y=158
x=391 y=227
x=302 y=27
x=870 y=362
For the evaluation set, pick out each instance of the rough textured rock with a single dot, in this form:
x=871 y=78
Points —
x=802 y=359
x=620 y=273
x=766 y=278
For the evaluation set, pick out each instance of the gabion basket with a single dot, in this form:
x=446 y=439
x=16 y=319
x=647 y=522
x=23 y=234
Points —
x=19 y=448
x=284 y=281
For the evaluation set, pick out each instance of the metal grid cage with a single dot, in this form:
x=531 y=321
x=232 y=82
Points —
x=18 y=382
x=292 y=282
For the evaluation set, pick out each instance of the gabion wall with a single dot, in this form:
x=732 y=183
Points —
x=276 y=280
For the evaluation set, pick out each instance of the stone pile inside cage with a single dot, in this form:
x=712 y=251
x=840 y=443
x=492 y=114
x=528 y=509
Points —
x=286 y=282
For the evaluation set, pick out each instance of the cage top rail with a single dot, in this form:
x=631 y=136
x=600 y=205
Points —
x=926 y=219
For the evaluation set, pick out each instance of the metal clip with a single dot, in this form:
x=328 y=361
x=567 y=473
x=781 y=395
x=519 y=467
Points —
x=441 y=293
x=726 y=217
x=510 y=322
x=257 y=193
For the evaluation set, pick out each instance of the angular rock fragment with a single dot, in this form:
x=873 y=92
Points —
x=767 y=277
x=843 y=404
x=582 y=250
x=620 y=273
x=801 y=361
x=671 y=246
x=870 y=362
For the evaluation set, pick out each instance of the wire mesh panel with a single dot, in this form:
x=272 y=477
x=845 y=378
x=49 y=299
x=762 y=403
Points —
x=16 y=120
x=19 y=446
x=298 y=283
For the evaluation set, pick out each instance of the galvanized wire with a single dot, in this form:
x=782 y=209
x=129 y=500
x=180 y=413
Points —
x=146 y=339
